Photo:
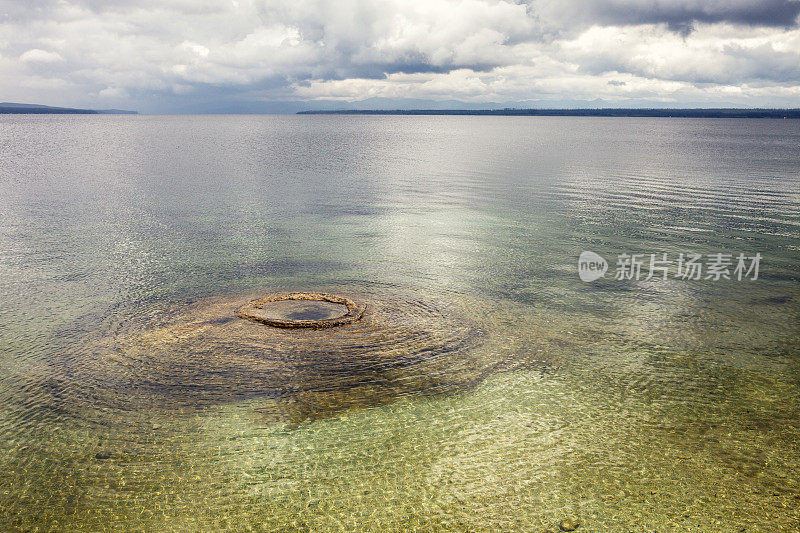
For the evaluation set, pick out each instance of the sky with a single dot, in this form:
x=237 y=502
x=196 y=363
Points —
x=175 y=56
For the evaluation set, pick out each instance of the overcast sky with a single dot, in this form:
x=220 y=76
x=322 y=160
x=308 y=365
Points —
x=197 y=55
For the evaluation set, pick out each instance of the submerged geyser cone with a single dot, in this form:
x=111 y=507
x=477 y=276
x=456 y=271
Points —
x=384 y=346
x=303 y=310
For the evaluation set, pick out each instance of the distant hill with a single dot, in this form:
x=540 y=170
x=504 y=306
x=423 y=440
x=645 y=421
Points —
x=599 y=112
x=8 y=107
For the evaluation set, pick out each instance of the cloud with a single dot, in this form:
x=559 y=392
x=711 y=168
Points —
x=113 y=92
x=36 y=55
x=152 y=52
x=678 y=15
x=713 y=54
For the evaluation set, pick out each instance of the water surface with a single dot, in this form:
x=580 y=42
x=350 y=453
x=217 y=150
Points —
x=633 y=405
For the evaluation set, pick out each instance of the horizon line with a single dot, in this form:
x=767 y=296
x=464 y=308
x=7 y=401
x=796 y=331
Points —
x=658 y=112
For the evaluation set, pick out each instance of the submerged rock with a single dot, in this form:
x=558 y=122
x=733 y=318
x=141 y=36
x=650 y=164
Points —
x=193 y=356
x=569 y=524
x=189 y=355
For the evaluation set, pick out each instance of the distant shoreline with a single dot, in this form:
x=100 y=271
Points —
x=601 y=112
x=35 y=109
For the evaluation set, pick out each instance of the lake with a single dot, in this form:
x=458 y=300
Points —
x=490 y=388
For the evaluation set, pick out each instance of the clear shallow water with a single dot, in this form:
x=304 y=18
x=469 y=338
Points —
x=642 y=405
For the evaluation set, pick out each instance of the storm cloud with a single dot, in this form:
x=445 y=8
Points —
x=677 y=15
x=161 y=55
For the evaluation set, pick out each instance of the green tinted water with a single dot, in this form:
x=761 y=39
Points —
x=632 y=405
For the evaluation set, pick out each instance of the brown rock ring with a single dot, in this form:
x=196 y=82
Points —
x=339 y=311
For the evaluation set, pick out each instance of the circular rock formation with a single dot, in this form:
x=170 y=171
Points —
x=388 y=345
x=302 y=310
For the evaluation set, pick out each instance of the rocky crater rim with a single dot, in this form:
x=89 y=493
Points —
x=312 y=310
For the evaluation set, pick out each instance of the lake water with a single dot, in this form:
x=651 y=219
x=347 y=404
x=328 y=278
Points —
x=493 y=389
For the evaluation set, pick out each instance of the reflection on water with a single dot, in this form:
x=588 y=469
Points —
x=486 y=388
